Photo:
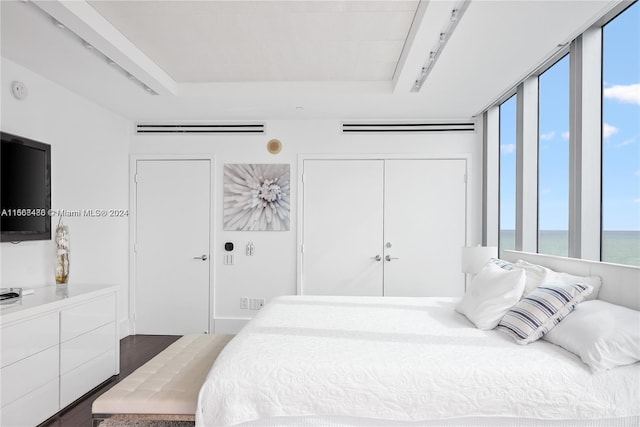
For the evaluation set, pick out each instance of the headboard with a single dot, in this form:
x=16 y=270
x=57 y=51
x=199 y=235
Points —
x=620 y=283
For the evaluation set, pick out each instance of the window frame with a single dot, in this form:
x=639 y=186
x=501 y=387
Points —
x=602 y=23
x=586 y=113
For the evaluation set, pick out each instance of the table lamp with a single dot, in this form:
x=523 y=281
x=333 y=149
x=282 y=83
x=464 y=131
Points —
x=475 y=257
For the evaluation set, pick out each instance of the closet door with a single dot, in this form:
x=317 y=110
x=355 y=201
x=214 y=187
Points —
x=342 y=227
x=425 y=227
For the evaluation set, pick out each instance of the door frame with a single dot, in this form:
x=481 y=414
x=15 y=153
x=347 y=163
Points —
x=467 y=157
x=133 y=194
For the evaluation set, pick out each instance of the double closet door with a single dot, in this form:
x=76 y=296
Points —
x=383 y=227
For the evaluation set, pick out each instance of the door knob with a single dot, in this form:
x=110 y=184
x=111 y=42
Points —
x=377 y=258
x=388 y=245
x=203 y=257
x=389 y=258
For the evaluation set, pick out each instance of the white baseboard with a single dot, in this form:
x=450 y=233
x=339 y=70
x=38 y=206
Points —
x=220 y=326
x=124 y=328
x=228 y=325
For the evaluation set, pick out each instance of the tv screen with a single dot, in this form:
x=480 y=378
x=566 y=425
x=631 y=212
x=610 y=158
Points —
x=25 y=189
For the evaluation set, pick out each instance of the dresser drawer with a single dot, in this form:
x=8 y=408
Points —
x=32 y=409
x=77 y=320
x=82 y=349
x=21 y=378
x=79 y=381
x=31 y=336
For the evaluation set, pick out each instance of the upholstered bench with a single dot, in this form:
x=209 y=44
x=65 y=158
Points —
x=166 y=387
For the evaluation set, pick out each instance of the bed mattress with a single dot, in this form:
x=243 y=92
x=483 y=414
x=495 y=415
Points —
x=369 y=360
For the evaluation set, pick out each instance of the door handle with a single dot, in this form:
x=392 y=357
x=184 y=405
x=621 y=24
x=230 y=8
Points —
x=389 y=258
x=377 y=258
x=203 y=257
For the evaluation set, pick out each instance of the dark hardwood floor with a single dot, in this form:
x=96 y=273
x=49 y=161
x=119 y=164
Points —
x=135 y=351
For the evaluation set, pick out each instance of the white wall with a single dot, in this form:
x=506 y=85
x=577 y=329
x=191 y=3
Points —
x=89 y=158
x=272 y=270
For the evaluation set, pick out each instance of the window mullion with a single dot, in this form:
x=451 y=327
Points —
x=527 y=166
x=491 y=177
x=584 y=145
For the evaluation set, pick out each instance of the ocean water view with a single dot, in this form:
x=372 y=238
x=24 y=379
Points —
x=620 y=247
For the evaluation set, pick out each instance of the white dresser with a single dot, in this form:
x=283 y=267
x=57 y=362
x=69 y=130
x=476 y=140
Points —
x=56 y=345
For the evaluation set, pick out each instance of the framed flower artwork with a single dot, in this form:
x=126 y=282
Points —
x=256 y=197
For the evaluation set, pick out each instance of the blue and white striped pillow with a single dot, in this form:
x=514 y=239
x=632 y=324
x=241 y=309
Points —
x=505 y=265
x=538 y=312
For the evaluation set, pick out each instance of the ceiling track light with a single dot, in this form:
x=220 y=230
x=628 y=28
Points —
x=443 y=38
x=108 y=60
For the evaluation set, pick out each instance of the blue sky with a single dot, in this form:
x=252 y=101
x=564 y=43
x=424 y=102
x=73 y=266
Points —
x=621 y=135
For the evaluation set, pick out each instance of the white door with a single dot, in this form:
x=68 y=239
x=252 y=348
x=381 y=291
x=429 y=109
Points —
x=425 y=227
x=172 y=246
x=342 y=227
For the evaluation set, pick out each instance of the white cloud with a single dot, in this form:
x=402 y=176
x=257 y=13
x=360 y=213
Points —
x=565 y=135
x=608 y=130
x=545 y=191
x=508 y=148
x=627 y=94
x=636 y=200
x=638 y=172
x=547 y=136
x=625 y=142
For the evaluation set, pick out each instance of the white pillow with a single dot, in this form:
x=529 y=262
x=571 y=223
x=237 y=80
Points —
x=541 y=310
x=535 y=275
x=490 y=295
x=603 y=335
x=569 y=279
x=538 y=274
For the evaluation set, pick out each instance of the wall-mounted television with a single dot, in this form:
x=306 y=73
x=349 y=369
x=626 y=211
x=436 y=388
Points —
x=25 y=189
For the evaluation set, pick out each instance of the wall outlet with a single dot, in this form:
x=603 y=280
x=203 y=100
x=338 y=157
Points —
x=244 y=303
x=256 y=303
x=228 y=259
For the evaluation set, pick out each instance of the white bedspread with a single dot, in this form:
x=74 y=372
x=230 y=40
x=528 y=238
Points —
x=400 y=359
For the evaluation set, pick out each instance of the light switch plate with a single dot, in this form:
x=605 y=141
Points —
x=251 y=249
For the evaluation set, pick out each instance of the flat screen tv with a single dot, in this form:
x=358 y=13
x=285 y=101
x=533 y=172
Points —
x=25 y=189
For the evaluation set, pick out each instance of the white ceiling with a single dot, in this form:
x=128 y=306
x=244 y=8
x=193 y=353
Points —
x=258 y=60
x=217 y=41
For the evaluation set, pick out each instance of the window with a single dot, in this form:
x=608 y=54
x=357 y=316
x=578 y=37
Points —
x=621 y=138
x=508 y=174
x=553 y=160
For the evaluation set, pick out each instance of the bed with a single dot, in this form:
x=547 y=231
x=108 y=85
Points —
x=369 y=361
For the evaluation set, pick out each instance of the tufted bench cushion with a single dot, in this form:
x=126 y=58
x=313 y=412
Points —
x=168 y=384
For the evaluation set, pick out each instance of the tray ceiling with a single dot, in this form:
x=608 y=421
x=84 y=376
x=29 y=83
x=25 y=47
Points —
x=338 y=59
x=222 y=41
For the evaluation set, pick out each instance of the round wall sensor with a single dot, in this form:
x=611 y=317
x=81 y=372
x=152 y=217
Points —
x=19 y=90
x=274 y=146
